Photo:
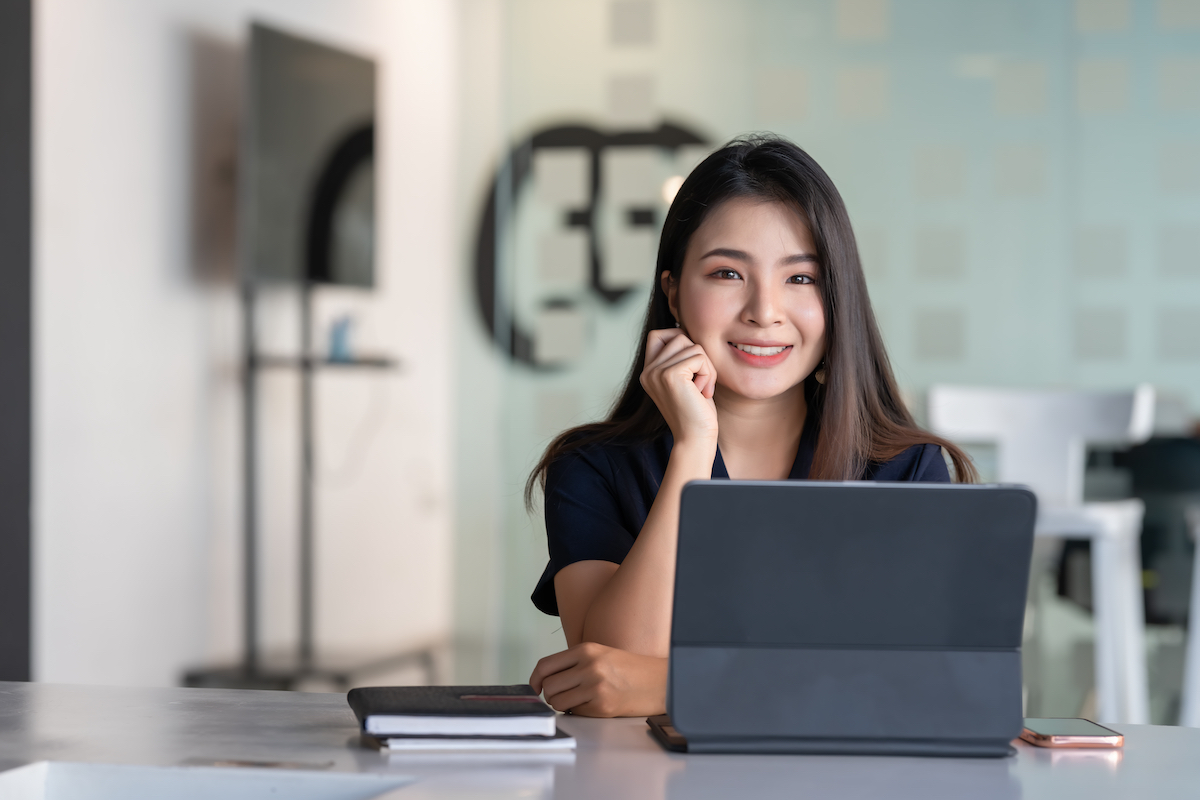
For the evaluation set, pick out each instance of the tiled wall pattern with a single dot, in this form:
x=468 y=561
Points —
x=1024 y=177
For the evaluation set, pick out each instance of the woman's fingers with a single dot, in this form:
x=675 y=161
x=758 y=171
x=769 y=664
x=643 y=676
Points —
x=698 y=362
x=561 y=682
x=706 y=378
x=669 y=352
x=657 y=340
x=679 y=375
x=551 y=665
x=563 y=678
x=571 y=698
x=673 y=358
x=598 y=681
x=692 y=364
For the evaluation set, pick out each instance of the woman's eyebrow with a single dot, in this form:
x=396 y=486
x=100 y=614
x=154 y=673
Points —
x=725 y=252
x=742 y=255
x=800 y=258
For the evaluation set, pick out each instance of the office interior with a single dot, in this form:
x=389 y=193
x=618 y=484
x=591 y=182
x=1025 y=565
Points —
x=1023 y=178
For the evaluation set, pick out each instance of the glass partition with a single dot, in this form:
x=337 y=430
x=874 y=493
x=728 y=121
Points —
x=1023 y=178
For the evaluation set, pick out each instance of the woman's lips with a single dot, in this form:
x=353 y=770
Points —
x=756 y=360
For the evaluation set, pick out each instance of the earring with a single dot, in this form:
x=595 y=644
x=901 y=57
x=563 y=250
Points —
x=676 y=323
x=820 y=374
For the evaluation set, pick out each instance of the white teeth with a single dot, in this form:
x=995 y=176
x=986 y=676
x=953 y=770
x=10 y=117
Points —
x=760 y=351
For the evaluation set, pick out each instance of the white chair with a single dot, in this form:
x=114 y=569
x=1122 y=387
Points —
x=1041 y=440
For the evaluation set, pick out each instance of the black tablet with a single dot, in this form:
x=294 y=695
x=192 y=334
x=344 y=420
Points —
x=850 y=617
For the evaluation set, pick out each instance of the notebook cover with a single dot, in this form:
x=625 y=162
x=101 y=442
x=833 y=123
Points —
x=446 y=701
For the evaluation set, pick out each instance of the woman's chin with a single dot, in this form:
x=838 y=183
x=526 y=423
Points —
x=759 y=390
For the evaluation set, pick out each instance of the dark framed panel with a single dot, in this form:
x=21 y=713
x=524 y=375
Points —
x=16 y=233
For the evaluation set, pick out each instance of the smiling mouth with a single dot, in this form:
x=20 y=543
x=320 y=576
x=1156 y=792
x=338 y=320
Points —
x=760 y=351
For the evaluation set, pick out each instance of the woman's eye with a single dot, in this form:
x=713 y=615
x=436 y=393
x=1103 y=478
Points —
x=801 y=279
x=728 y=274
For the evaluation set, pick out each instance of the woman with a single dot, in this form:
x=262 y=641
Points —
x=760 y=359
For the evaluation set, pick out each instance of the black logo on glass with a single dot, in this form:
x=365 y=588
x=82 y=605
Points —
x=592 y=163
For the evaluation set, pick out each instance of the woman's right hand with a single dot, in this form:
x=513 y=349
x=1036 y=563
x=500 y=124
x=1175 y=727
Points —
x=592 y=680
x=681 y=380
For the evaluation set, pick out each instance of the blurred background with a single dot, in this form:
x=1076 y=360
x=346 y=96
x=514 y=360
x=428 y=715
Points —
x=1023 y=177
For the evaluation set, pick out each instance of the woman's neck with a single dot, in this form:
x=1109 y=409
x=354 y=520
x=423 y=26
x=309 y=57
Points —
x=759 y=438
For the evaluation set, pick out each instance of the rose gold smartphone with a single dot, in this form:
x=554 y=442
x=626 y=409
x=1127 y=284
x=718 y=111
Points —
x=1069 y=733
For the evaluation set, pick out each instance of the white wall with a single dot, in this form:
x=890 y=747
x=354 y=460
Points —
x=137 y=477
x=479 y=566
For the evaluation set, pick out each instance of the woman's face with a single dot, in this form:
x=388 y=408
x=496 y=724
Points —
x=748 y=295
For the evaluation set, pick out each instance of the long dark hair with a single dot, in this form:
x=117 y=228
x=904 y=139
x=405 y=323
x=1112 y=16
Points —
x=862 y=417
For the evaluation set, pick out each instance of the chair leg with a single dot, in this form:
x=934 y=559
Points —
x=1136 y=686
x=1189 y=707
x=1105 y=605
x=1122 y=692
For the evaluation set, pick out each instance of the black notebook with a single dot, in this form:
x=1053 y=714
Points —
x=452 y=711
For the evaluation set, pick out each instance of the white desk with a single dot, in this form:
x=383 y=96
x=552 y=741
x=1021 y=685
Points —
x=616 y=758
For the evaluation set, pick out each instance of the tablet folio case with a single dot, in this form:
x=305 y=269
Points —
x=850 y=618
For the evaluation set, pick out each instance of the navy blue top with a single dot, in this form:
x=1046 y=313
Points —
x=598 y=497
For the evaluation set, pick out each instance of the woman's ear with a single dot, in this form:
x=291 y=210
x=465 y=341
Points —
x=671 y=290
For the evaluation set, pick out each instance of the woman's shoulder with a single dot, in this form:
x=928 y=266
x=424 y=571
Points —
x=924 y=463
x=608 y=458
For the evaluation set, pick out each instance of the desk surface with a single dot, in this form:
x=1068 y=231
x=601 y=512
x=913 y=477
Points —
x=616 y=758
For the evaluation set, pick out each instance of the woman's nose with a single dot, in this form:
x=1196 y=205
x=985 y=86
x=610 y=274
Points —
x=763 y=305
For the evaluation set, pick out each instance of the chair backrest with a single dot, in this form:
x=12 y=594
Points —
x=1041 y=436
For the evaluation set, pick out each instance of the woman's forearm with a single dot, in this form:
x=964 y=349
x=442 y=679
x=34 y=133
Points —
x=633 y=609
